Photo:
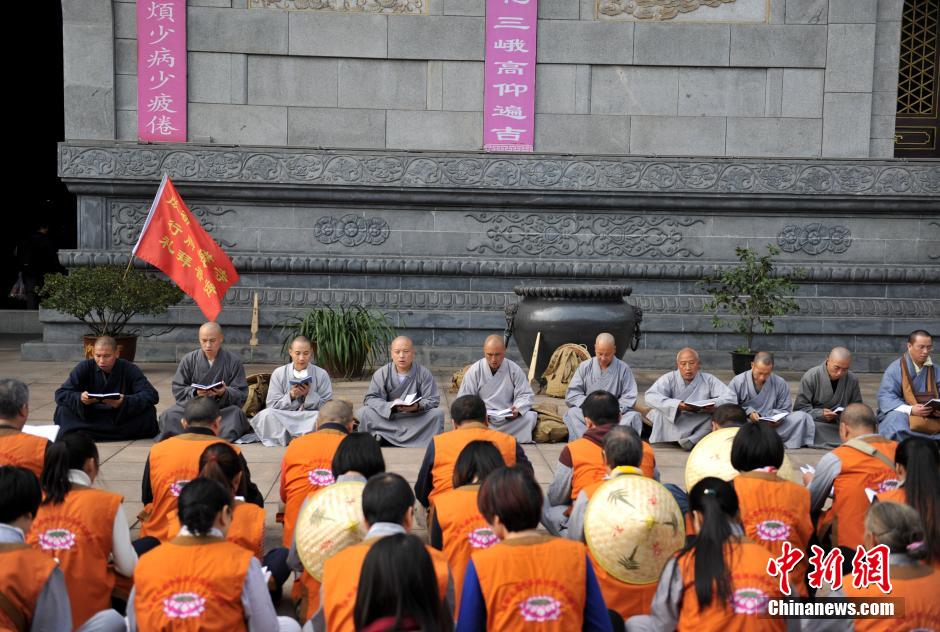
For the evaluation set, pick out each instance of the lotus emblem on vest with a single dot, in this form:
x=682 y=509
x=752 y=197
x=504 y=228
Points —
x=56 y=540
x=176 y=487
x=773 y=530
x=320 y=477
x=482 y=538
x=184 y=605
x=540 y=608
x=749 y=601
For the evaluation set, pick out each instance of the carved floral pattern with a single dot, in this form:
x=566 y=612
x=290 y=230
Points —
x=351 y=230
x=127 y=220
x=814 y=239
x=399 y=169
x=653 y=9
x=407 y=7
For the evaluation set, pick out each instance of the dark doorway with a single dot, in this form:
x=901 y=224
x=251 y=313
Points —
x=34 y=194
x=918 y=118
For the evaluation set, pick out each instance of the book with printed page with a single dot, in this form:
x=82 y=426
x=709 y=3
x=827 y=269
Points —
x=104 y=395
x=207 y=387
x=412 y=398
x=933 y=404
x=499 y=414
x=700 y=405
x=46 y=432
x=301 y=381
x=773 y=418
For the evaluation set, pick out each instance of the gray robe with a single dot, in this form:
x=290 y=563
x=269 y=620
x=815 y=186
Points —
x=406 y=430
x=796 y=429
x=195 y=369
x=508 y=387
x=284 y=418
x=665 y=395
x=589 y=377
x=816 y=393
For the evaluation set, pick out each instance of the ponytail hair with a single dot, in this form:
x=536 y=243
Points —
x=220 y=463
x=899 y=528
x=717 y=501
x=476 y=461
x=200 y=503
x=69 y=452
x=921 y=460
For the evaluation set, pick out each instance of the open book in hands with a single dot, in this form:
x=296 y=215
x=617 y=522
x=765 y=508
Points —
x=301 y=381
x=412 y=398
x=933 y=404
x=499 y=414
x=773 y=418
x=104 y=395
x=701 y=405
x=207 y=387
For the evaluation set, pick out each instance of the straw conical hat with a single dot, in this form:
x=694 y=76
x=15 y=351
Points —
x=329 y=522
x=712 y=457
x=632 y=526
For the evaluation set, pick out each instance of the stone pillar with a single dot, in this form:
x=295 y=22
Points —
x=88 y=53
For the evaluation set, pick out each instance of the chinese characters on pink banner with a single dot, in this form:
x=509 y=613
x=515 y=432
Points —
x=161 y=70
x=509 y=75
x=868 y=567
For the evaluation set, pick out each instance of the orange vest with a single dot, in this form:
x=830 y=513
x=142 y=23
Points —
x=246 y=530
x=173 y=463
x=23 y=575
x=625 y=599
x=449 y=445
x=190 y=584
x=78 y=533
x=23 y=450
x=587 y=464
x=850 y=504
x=306 y=468
x=774 y=511
x=341 y=581
x=463 y=531
x=918 y=586
x=751 y=587
x=896 y=495
x=531 y=582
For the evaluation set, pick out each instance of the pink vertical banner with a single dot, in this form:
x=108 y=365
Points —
x=161 y=70
x=509 y=75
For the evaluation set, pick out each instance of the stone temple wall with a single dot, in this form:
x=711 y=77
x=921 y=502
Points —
x=780 y=78
x=437 y=240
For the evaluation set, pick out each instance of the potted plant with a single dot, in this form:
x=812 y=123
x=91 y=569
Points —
x=753 y=292
x=105 y=298
x=344 y=340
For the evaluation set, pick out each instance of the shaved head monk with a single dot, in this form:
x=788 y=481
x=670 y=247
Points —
x=402 y=405
x=604 y=372
x=825 y=391
x=504 y=387
x=209 y=365
x=683 y=400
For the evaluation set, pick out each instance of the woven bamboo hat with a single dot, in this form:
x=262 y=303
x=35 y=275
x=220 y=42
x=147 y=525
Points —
x=329 y=522
x=632 y=527
x=712 y=457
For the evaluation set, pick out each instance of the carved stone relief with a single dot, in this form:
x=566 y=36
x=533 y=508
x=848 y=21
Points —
x=127 y=220
x=351 y=230
x=654 y=9
x=406 y=7
x=814 y=239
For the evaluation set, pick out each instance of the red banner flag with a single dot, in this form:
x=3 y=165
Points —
x=173 y=241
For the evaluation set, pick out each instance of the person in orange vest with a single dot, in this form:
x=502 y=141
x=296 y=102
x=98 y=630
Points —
x=528 y=580
x=33 y=595
x=917 y=461
x=198 y=580
x=358 y=458
x=307 y=463
x=457 y=526
x=864 y=461
x=913 y=580
x=81 y=528
x=581 y=462
x=720 y=580
x=17 y=447
x=175 y=461
x=436 y=473
x=382 y=605
x=623 y=452
x=388 y=509
x=773 y=510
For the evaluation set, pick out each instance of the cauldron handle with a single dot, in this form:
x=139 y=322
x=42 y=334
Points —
x=510 y=311
x=635 y=343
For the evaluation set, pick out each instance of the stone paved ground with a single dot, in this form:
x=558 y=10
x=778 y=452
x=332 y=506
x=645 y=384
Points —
x=122 y=462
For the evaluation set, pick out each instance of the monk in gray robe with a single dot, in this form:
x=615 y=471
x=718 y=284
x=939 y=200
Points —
x=504 y=388
x=295 y=393
x=764 y=395
x=206 y=366
x=386 y=415
x=604 y=372
x=678 y=402
x=824 y=391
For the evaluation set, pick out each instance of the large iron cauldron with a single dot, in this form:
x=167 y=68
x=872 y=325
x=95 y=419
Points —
x=571 y=314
